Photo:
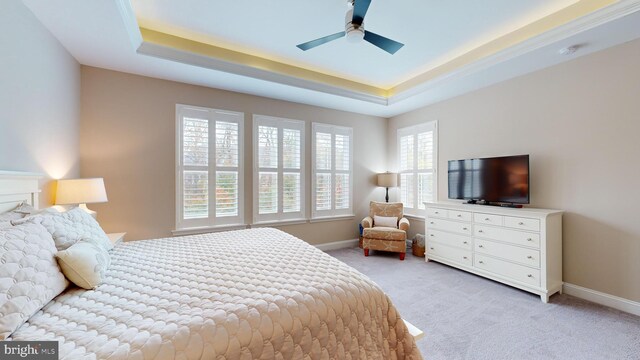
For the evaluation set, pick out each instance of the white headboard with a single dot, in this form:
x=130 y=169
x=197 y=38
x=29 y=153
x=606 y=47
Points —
x=16 y=187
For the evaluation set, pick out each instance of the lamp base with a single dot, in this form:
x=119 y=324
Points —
x=387 y=197
x=89 y=211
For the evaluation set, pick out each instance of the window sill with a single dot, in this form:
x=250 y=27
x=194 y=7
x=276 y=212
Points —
x=207 y=229
x=332 y=218
x=279 y=223
x=414 y=217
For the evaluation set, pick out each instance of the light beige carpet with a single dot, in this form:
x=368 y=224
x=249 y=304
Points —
x=468 y=317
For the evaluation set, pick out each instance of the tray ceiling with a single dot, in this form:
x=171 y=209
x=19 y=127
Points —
x=451 y=47
x=433 y=31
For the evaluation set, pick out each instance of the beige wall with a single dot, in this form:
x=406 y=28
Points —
x=128 y=137
x=580 y=122
x=39 y=98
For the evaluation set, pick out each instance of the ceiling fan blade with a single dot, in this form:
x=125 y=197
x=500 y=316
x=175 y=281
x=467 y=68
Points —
x=382 y=42
x=317 y=42
x=360 y=8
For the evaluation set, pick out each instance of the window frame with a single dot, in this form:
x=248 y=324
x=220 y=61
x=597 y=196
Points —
x=333 y=130
x=281 y=124
x=414 y=131
x=212 y=116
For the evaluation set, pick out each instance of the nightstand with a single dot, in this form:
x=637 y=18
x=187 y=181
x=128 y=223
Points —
x=116 y=238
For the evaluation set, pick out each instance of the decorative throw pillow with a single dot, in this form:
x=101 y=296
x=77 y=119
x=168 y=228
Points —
x=84 y=263
x=69 y=227
x=386 y=221
x=29 y=274
x=15 y=214
x=25 y=209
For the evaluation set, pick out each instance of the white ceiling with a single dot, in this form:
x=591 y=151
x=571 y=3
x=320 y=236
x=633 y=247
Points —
x=98 y=33
x=432 y=31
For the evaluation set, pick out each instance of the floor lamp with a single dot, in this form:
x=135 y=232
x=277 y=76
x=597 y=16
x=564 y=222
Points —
x=387 y=180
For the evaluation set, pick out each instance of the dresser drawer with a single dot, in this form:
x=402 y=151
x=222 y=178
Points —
x=437 y=213
x=448 y=225
x=460 y=215
x=507 y=235
x=446 y=238
x=510 y=270
x=522 y=223
x=517 y=254
x=450 y=253
x=487 y=219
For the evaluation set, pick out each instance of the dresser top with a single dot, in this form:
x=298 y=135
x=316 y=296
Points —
x=487 y=209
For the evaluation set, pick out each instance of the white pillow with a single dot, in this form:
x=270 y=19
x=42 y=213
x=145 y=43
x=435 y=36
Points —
x=29 y=275
x=386 y=221
x=69 y=227
x=84 y=263
x=15 y=214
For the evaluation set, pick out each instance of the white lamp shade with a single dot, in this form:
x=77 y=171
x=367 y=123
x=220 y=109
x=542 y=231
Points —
x=81 y=191
x=388 y=180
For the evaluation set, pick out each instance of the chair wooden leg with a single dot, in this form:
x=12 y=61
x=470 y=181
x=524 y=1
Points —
x=402 y=256
x=366 y=252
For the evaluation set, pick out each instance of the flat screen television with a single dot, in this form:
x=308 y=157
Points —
x=493 y=180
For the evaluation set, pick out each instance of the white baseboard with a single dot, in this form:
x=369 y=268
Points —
x=616 y=302
x=338 y=245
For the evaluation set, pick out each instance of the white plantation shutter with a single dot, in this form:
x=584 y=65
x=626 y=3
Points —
x=417 y=165
x=278 y=169
x=332 y=187
x=209 y=167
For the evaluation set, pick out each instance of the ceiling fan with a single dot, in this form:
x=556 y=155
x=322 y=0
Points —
x=355 y=32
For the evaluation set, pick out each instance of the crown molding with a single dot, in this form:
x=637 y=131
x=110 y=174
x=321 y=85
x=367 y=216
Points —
x=130 y=23
x=190 y=52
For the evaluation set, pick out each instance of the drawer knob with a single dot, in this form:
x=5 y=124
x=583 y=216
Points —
x=529 y=239
x=480 y=231
x=481 y=262
x=529 y=257
x=437 y=212
x=431 y=222
x=459 y=215
x=431 y=248
x=464 y=257
x=430 y=234
x=465 y=242
x=480 y=246
x=520 y=223
x=464 y=228
x=529 y=275
x=487 y=219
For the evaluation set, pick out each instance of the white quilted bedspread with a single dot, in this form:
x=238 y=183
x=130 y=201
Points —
x=249 y=294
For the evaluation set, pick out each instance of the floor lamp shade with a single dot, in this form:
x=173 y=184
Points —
x=388 y=180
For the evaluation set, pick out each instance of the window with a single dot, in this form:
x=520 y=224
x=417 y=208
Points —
x=332 y=187
x=278 y=169
x=209 y=179
x=418 y=162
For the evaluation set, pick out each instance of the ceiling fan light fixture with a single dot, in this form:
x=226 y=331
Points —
x=355 y=35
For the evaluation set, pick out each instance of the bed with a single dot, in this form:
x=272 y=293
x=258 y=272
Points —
x=247 y=294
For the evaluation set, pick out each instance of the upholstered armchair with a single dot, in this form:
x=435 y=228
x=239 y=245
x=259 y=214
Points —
x=389 y=234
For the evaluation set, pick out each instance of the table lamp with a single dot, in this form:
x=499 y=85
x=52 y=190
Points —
x=388 y=180
x=81 y=192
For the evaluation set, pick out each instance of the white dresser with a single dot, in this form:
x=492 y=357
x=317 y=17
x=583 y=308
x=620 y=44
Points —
x=518 y=247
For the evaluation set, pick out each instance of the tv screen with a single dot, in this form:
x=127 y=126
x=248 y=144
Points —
x=499 y=179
